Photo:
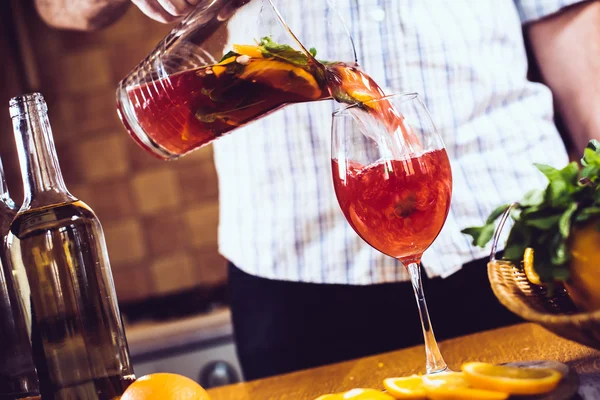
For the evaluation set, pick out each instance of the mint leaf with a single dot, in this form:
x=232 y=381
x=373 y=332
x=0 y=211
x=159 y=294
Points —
x=543 y=222
x=534 y=197
x=284 y=52
x=481 y=235
x=498 y=211
x=591 y=153
x=564 y=224
x=560 y=251
x=518 y=239
x=313 y=51
x=587 y=213
x=228 y=55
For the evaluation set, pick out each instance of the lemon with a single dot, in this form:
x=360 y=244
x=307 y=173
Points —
x=408 y=387
x=529 y=269
x=512 y=380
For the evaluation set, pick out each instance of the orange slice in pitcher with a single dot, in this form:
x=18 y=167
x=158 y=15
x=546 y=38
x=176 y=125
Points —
x=283 y=76
x=248 y=50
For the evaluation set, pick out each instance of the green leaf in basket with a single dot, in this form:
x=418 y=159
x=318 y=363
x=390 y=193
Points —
x=545 y=218
x=564 y=224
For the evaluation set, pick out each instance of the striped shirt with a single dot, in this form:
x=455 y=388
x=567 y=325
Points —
x=279 y=217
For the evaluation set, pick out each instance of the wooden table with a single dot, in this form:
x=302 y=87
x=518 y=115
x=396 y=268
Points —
x=519 y=342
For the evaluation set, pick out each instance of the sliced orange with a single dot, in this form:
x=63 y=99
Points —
x=357 y=394
x=529 y=269
x=283 y=76
x=248 y=50
x=218 y=70
x=228 y=60
x=442 y=393
x=407 y=387
x=454 y=386
x=165 y=386
x=449 y=379
x=513 y=380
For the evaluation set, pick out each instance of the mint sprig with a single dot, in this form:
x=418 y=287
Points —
x=545 y=218
x=284 y=52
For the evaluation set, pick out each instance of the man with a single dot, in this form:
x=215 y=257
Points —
x=305 y=289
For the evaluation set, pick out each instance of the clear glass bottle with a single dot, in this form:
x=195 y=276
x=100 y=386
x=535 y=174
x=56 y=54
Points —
x=77 y=335
x=18 y=379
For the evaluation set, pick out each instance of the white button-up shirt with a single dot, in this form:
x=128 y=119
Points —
x=279 y=217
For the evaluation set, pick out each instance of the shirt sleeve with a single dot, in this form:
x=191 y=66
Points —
x=533 y=10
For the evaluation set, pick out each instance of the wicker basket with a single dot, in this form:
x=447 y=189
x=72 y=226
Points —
x=556 y=313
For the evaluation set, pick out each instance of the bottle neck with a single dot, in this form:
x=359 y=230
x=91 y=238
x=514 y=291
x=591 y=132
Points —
x=5 y=200
x=43 y=184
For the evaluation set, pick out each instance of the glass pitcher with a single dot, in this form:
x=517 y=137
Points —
x=226 y=64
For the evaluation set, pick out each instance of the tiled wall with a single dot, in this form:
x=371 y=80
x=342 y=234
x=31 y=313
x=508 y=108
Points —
x=160 y=218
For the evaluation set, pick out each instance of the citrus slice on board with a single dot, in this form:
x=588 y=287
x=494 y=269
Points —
x=165 y=386
x=529 y=269
x=442 y=393
x=513 y=380
x=283 y=76
x=454 y=386
x=357 y=394
x=407 y=387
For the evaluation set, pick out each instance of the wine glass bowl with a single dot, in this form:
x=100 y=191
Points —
x=396 y=200
x=393 y=181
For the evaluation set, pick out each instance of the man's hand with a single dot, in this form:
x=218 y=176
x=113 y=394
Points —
x=165 y=10
x=567 y=49
x=89 y=15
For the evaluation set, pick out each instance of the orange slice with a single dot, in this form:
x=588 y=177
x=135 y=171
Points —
x=529 y=269
x=357 y=394
x=283 y=76
x=513 y=380
x=248 y=50
x=464 y=394
x=454 y=386
x=407 y=387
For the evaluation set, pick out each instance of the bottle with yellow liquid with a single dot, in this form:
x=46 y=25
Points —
x=18 y=379
x=77 y=336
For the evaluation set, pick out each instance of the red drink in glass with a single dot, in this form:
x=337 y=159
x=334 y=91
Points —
x=397 y=206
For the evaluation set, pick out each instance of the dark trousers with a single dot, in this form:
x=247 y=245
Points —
x=284 y=326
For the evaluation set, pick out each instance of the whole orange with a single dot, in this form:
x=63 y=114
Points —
x=584 y=269
x=164 y=386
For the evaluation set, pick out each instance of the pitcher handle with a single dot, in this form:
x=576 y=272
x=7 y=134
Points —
x=499 y=228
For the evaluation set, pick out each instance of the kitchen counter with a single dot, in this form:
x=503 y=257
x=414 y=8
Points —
x=161 y=336
x=518 y=342
x=200 y=347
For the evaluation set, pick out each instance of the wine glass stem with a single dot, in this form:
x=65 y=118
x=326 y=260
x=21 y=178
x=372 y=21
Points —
x=435 y=361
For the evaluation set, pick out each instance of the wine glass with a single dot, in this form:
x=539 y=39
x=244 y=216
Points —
x=393 y=182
